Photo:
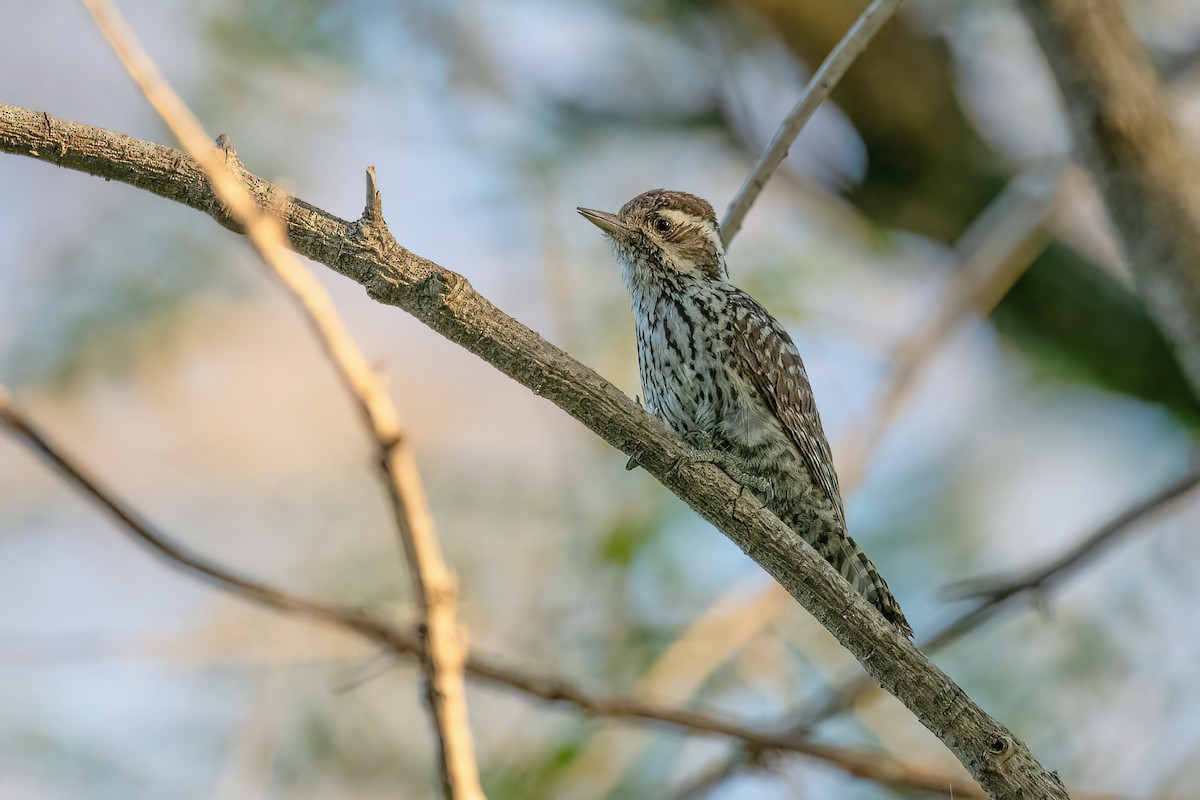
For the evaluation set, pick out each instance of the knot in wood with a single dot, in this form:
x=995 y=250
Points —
x=442 y=285
x=1001 y=747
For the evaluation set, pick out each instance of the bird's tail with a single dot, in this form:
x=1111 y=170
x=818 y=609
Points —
x=852 y=564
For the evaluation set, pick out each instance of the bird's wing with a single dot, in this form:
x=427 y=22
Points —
x=773 y=365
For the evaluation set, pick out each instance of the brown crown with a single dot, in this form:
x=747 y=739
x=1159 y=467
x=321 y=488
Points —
x=663 y=199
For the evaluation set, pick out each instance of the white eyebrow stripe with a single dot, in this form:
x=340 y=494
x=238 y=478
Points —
x=677 y=216
x=703 y=225
x=683 y=217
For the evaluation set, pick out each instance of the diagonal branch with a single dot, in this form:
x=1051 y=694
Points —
x=819 y=87
x=442 y=651
x=879 y=767
x=181 y=557
x=446 y=302
x=993 y=595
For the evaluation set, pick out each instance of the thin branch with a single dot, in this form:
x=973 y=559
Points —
x=180 y=557
x=819 y=87
x=442 y=651
x=446 y=302
x=881 y=768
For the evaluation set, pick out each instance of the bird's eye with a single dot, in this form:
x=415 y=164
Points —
x=662 y=224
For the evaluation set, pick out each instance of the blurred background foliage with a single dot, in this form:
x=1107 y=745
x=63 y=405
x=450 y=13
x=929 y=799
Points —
x=147 y=340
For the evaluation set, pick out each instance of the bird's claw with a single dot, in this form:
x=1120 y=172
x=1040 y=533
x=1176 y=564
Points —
x=702 y=452
x=756 y=483
x=705 y=452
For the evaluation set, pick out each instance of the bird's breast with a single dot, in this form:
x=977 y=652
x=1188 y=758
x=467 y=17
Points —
x=685 y=360
x=692 y=380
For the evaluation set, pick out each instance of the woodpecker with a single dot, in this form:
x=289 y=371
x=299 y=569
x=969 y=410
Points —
x=724 y=374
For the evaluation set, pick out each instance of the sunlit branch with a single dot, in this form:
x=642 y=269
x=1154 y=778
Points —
x=441 y=651
x=815 y=92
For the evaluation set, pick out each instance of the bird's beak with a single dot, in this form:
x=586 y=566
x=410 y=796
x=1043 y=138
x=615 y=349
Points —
x=611 y=224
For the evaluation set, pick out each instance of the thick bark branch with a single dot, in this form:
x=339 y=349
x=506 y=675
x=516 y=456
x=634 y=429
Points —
x=992 y=595
x=1126 y=138
x=446 y=302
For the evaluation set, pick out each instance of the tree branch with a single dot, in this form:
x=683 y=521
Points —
x=180 y=557
x=819 y=87
x=995 y=593
x=446 y=302
x=1125 y=136
x=441 y=649
x=878 y=767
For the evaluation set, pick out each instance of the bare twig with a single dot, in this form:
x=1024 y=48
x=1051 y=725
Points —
x=442 y=652
x=881 y=768
x=446 y=302
x=181 y=557
x=1124 y=134
x=819 y=87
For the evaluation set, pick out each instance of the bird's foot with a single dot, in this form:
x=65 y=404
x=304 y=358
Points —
x=705 y=452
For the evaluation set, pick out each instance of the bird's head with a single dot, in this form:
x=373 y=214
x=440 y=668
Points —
x=664 y=235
